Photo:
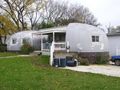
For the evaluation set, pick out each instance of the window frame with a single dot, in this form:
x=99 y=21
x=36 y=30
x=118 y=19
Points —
x=25 y=40
x=95 y=38
x=14 y=41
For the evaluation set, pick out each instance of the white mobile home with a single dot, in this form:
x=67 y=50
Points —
x=76 y=37
x=79 y=38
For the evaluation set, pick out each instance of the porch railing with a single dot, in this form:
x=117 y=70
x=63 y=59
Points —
x=46 y=46
x=51 y=53
x=57 y=46
x=60 y=45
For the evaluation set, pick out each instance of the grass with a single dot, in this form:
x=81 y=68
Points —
x=4 y=54
x=34 y=73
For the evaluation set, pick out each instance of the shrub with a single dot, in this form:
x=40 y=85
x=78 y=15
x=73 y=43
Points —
x=82 y=61
x=3 y=47
x=102 y=58
x=26 y=48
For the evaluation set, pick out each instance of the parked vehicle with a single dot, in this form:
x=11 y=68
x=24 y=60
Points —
x=116 y=59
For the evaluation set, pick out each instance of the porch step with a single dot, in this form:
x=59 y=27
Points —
x=60 y=51
x=45 y=53
x=36 y=53
x=62 y=54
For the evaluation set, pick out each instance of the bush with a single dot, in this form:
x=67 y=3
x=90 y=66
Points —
x=102 y=58
x=83 y=61
x=26 y=48
x=3 y=47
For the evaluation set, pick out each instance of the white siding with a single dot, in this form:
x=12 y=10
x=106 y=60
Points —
x=114 y=45
x=80 y=38
x=20 y=36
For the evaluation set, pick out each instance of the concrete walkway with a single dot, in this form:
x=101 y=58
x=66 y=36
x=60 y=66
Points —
x=109 y=70
x=15 y=56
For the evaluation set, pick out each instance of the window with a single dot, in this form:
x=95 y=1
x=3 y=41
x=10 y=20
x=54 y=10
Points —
x=60 y=37
x=95 y=38
x=26 y=40
x=14 y=41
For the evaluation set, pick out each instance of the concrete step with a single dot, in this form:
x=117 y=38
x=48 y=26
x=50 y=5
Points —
x=36 y=53
x=45 y=53
x=60 y=51
x=62 y=54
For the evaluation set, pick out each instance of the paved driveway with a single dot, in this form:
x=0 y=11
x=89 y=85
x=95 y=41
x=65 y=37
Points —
x=109 y=70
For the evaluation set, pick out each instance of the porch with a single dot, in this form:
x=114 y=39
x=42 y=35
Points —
x=57 y=37
x=48 y=36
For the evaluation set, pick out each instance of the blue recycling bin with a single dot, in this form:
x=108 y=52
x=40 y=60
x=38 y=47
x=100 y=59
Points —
x=62 y=62
x=59 y=62
x=56 y=62
x=70 y=61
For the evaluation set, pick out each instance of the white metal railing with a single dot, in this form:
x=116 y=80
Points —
x=60 y=45
x=51 y=53
x=56 y=46
x=46 y=46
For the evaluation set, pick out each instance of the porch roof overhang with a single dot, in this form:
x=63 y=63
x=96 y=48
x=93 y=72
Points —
x=51 y=30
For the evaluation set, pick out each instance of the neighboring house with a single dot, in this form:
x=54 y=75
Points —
x=114 y=43
x=78 y=38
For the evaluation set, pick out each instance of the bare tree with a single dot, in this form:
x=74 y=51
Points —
x=15 y=9
x=63 y=13
x=78 y=13
x=20 y=10
x=54 y=10
x=35 y=12
x=24 y=12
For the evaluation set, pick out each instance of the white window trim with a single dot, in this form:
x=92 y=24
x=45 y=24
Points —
x=14 y=43
x=95 y=39
x=23 y=39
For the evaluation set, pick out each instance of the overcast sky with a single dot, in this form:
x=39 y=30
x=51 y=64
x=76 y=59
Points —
x=106 y=11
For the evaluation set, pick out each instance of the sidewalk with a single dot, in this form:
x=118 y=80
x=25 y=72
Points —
x=109 y=70
x=15 y=56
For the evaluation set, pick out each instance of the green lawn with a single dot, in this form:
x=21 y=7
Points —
x=34 y=73
x=4 y=54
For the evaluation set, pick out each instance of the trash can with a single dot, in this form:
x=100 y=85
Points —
x=71 y=62
x=56 y=62
x=62 y=62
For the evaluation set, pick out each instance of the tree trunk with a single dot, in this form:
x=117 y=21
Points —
x=32 y=26
x=1 y=39
x=5 y=37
